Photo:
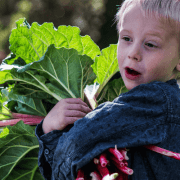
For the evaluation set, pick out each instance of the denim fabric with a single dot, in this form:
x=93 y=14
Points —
x=147 y=114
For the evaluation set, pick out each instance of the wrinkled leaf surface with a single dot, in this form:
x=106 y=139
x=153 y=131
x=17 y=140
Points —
x=31 y=42
x=26 y=105
x=61 y=73
x=18 y=154
x=105 y=66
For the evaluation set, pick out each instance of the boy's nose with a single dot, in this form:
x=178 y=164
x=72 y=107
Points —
x=137 y=58
x=134 y=53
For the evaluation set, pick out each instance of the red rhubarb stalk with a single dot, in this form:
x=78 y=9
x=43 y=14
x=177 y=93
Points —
x=30 y=121
x=125 y=162
x=125 y=169
x=23 y=116
x=121 y=175
x=116 y=154
x=163 y=151
x=102 y=170
x=103 y=160
x=124 y=153
x=80 y=175
x=105 y=172
x=9 y=122
x=116 y=161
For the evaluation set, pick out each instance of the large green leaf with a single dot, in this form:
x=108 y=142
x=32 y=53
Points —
x=31 y=42
x=25 y=105
x=30 y=91
x=19 y=154
x=62 y=73
x=105 y=66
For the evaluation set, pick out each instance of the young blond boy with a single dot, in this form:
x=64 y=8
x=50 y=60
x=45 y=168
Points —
x=149 y=63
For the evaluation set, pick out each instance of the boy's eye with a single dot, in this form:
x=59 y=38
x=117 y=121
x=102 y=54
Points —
x=126 y=38
x=151 y=45
x=148 y=44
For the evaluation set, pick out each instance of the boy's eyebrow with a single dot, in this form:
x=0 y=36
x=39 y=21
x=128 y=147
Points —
x=153 y=33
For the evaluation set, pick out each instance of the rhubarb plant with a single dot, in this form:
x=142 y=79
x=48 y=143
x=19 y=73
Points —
x=47 y=64
x=19 y=153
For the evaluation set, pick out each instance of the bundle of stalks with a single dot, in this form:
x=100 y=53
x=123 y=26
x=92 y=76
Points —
x=112 y=164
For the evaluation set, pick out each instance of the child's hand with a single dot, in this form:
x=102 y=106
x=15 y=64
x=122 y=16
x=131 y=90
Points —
x=65 y=112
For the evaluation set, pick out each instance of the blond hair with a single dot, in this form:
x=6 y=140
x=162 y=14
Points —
x=166 y=12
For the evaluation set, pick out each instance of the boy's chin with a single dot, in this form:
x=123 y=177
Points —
x=130 y=85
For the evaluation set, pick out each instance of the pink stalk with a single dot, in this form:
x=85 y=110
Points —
x=30 y=121
x=121 y=175
x=116 y=154
x=8 y=122
x=105 y=173
x=124 y=153
x=102 y=170
x=103 y=159
x=163 y=151
x=23 y=116
x=125 y=169
x=80 y=175
x=95 y=176
x=116 y=161
x=125 y=162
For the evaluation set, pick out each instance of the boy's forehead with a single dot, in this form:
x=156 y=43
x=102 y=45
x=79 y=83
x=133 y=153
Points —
x=154 y=25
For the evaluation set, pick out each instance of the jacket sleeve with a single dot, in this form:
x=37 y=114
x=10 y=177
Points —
x=47 y=145
x=138 y=117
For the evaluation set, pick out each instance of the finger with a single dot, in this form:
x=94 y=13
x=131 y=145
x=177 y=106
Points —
x=74 y=113
x=79 y=107
x=75 y=101
x=71 y=120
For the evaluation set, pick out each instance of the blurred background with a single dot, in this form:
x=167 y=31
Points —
x=95 y=18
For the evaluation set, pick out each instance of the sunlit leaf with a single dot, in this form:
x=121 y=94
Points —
x=105 y=66
x=4 y=133
x=31 y=42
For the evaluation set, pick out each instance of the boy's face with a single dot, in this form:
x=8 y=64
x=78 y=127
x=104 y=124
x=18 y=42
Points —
x=153 y=57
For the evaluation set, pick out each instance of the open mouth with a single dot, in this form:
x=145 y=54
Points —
x=132 y=72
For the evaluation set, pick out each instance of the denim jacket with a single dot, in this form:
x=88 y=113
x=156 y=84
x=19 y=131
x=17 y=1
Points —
x=147 y=114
